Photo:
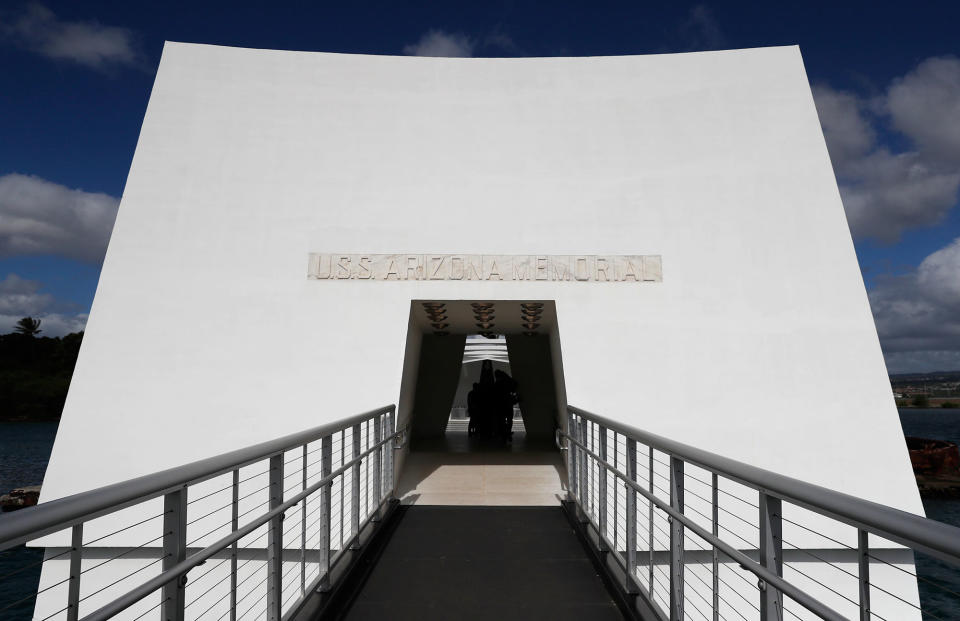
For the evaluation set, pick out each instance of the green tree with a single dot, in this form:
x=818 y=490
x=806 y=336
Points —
x=28 y=326
x=921 y=401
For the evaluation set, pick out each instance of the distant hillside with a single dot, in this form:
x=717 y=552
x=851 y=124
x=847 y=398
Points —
x=933 y=376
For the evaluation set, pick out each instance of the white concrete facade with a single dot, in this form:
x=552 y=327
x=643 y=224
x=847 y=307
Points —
x=207 y=335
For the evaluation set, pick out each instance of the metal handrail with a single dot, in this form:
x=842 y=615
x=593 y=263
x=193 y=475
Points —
x=198 y=558
x=374 y=440
x=798 y=595
x=56 y=515
x=586 y=439
x=929 y=536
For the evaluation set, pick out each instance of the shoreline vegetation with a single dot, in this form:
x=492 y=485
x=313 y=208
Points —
x=922 y=402
x=35 y=372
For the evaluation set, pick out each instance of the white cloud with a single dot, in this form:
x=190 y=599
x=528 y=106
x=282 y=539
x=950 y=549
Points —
x=20 y=298
x=88 y=43
x=848 y=132
x=885 y=193
x=918 y=313
x=42 y=217
x=439 y=43
x=925 y=105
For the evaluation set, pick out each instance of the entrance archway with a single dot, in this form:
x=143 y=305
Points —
x=442 y=465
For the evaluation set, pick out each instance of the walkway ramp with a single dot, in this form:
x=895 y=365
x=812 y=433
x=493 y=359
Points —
x=462 y=562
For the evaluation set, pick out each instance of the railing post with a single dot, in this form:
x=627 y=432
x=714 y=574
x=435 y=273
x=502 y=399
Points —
x=676 y=540
x=715 y=523
x=863 y=560
x=326 y=461
x=771 y=556
x=572 y=491
x=616 y=490
x=377 y=465
x=174 y=551
x=631 y=517
x=76 y=558
x=390 y=457
x=234 y=525
x=650 y=576
x=303 y=523
x=583 y=484
x=602 y=489
x=275 y=541
x=355 y=490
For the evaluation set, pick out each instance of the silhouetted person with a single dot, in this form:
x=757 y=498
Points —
x=505 y=390
x=486 y=399
x=473 y=409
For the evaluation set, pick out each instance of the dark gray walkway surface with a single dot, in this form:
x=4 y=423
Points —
x=498 y=563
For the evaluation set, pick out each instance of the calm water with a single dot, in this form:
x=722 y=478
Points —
x=937 y=424
x=25 y=449
x=24 y=452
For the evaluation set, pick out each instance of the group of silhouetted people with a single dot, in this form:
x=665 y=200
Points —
x=490 y=404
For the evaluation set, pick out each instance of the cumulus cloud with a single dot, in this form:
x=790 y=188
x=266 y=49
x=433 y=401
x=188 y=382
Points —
x=439 y=43
x=918 y=313
x=885 y=192
x=925 y=105
x=20 y=298
x=86 y=43
x=42 y=217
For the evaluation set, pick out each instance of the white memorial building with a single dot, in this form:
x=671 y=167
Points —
x=659 y=239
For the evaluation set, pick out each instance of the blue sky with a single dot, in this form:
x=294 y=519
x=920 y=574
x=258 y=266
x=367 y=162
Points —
x=75 y=78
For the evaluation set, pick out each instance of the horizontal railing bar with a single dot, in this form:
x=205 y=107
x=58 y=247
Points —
x=924 y=535
x=745 y=561
x=132 y=597
x=56 y=515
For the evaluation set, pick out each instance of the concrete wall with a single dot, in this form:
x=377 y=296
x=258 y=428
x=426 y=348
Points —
x=532 y=366
x=758 y=343
x=437 y=378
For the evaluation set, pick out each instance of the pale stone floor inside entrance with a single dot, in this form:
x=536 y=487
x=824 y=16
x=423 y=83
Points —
x=459 y=470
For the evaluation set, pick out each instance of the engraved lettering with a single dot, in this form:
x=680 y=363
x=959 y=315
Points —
x=456 y=268
x=343 y=267
x=364 y=273
x=652 y=269
x=413 y=265
x=392 y=269
x=437 y=263
x=601 y=267
x=521 y=269
x=494 y=270
x=581 y=269
x=474 y=272
x=541 y=268
x=318 y=271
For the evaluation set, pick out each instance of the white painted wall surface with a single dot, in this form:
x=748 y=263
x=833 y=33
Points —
x=206 y=335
